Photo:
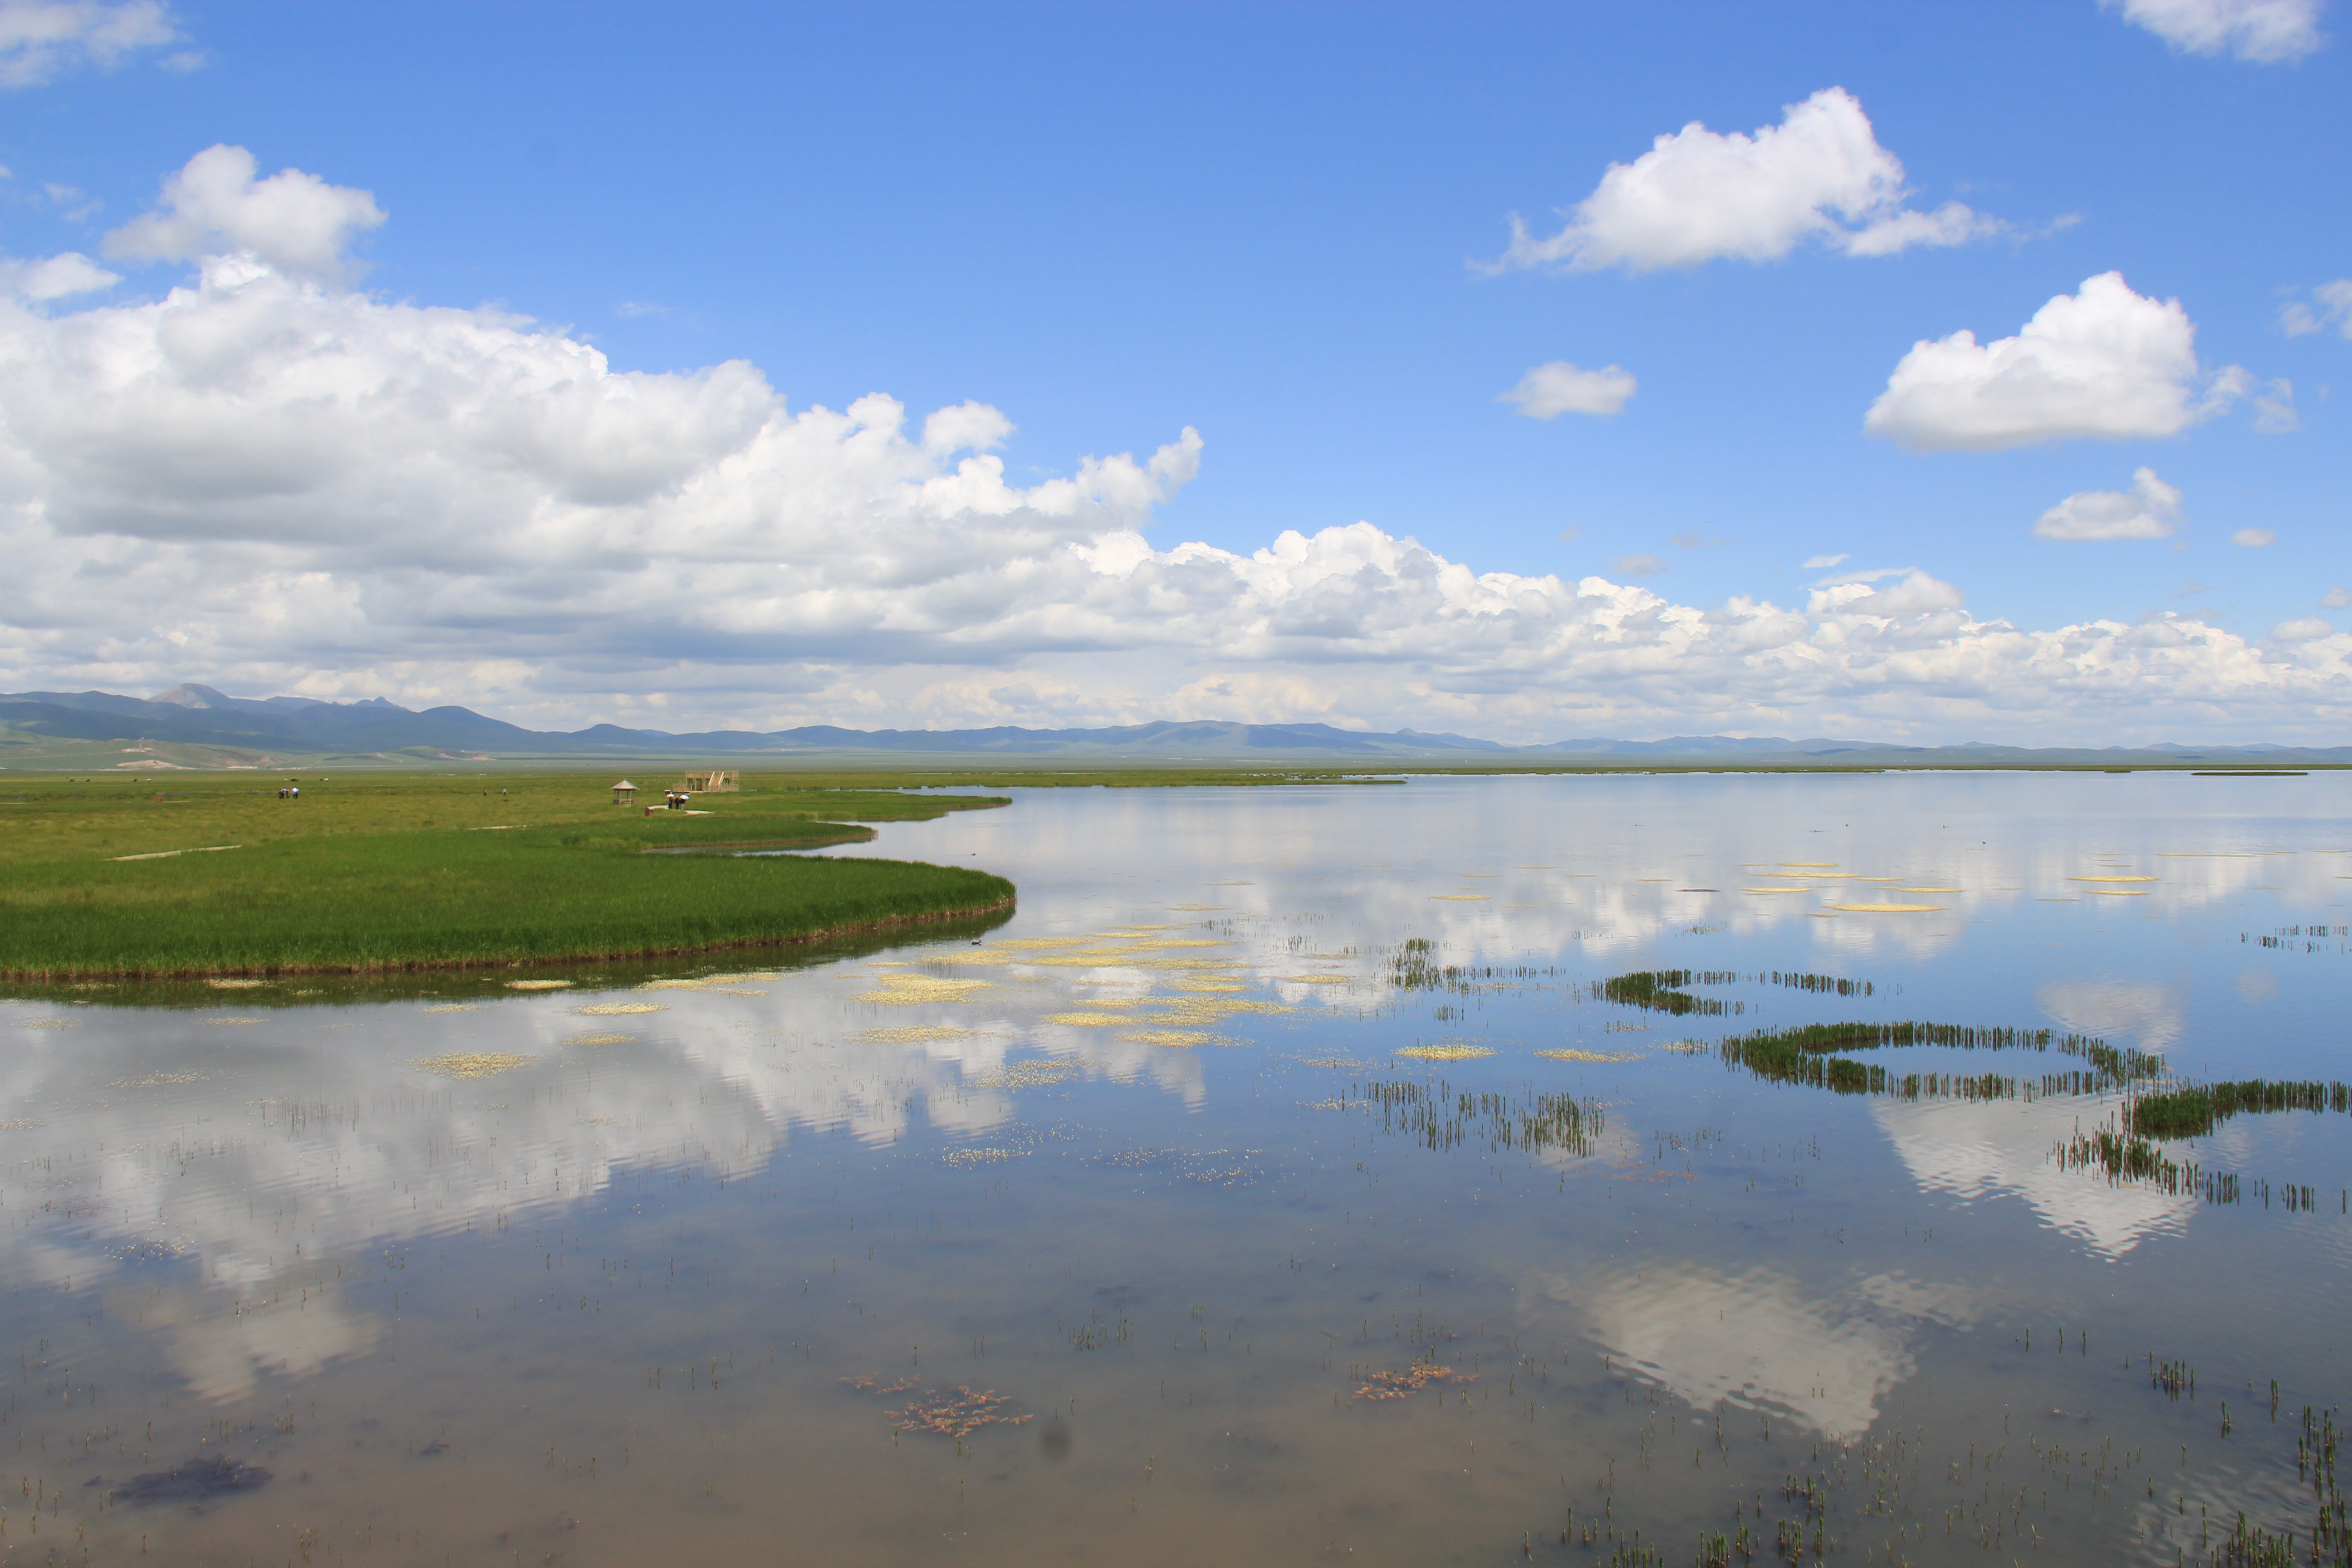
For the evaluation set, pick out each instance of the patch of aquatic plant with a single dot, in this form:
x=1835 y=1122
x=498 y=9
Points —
x=1414 y=966
x=2193 y=1109
x=1436 y=1116
x=1661 y=991
x=1803 y=1053
x=1828 y=984
x=2124 y=1158
x=1422 y=1373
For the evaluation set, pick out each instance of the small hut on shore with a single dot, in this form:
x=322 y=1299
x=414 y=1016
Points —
x=624 y=793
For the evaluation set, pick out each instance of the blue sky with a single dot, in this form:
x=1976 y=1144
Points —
x=1275 y=226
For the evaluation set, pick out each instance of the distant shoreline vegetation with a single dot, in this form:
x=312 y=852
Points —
x=383 y=876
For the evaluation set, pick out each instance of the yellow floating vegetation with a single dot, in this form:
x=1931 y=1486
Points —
x=1927 y=890
x=45 y=1024
x=1888 y=909
x=957 y=1415
x=600 y=1040
x=979 y=958
x=2118 y=892
x=1461 y=897
x=472 y=1064
x=695 y=984
x=1035 y=1074
x=2111 y=878
x=1087 y=1020
x=1218 y=985
x=911 y=1035
x=614 y=1009
x=1815 y=865
x=234 y=1023
x=914 y=989
x=1318 y=979
x=1412 y=1380
x=537 y=984
x=1450 y=1053
x=964 y=1158
x=234 y=985
x=1180 y=1040
x=1575 y=1056
x=451 y=1007
x=1025 y=943
x=1208 y=1009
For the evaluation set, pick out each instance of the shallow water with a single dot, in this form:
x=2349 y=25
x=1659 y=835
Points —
x=1125 y=1229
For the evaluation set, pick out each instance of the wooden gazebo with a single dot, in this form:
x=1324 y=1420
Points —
x=624 y=793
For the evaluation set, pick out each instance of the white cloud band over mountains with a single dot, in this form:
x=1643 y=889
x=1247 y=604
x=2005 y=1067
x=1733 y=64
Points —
x=272 y=483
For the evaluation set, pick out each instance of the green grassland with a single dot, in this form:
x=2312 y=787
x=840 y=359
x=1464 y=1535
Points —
x=115 y=878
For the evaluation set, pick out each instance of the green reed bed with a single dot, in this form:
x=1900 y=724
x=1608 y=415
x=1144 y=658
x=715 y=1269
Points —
x=2193 y=1109
x=98 y=882
x=1438 y=1116
x=1661 y=991
x=1804 y=1053
x=1667 y=989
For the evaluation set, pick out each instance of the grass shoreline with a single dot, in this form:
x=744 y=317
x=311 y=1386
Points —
x=382 y=876
x=808 y=938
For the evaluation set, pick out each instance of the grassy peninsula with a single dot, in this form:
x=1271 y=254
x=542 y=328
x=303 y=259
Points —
x=114 y=878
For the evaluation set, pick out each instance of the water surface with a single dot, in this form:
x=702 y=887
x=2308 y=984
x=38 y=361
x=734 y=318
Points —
x=1134 y=1228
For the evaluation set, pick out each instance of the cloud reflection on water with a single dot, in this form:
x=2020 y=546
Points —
x=1758 y=1340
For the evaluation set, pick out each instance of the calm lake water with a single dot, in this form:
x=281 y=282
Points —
x=1129 y=1230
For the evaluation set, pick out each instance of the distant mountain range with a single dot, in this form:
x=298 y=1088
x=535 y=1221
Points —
x=282 y=729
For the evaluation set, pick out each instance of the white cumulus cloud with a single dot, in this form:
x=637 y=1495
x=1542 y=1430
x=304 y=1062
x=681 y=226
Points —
x=41 y=38
x=1559 y=388
x=2337 y=598
x=2305 y=629
x=270 y=482
x=2254 y=538
x=2332 y=314
x=55 y=277
x=293 y=222
x=1699 y=195
x=2149 y=510
x=2103 y=362
x=2263 y=30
